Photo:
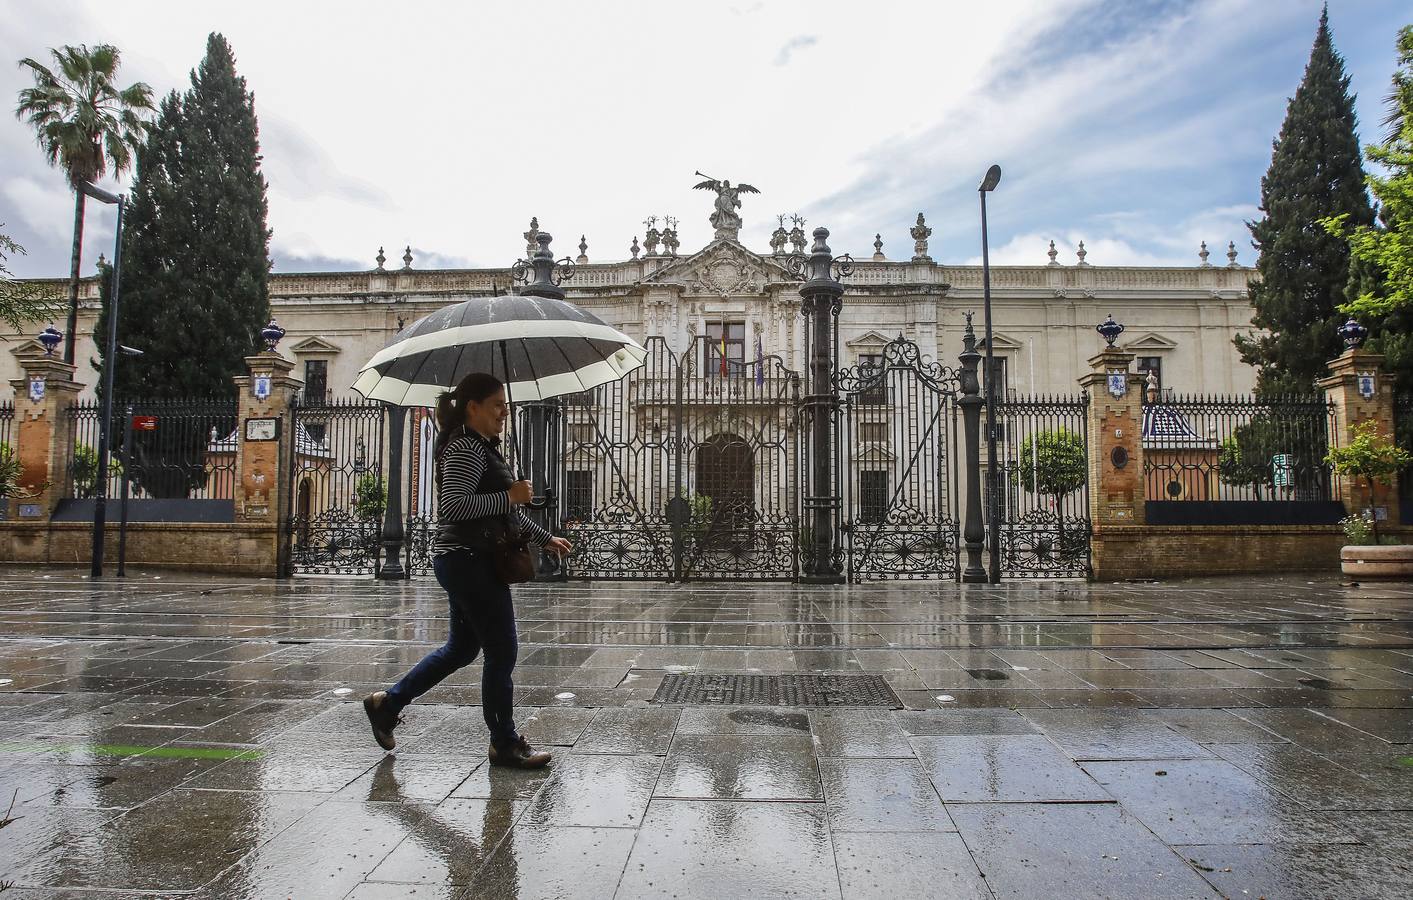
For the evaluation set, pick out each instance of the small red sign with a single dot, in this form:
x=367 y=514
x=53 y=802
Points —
x=144 y=423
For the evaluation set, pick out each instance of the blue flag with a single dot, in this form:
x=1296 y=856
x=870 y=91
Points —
x=760 y=362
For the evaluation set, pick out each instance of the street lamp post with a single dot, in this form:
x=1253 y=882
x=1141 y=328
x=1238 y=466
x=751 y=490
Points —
x=993 y=496
x=821 y=298
x=110 y=364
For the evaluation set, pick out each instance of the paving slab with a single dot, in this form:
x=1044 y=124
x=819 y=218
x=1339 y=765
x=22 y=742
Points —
x=740 y=767
x=1111 y=734
x=541 y=861
x=1080 y=851
x=881 y=795
x=1010 y=767
x=933 y=865
x=1211 y=801
x=709 y=850
x=595 y=791
x=1303 y=871
x=447 y=844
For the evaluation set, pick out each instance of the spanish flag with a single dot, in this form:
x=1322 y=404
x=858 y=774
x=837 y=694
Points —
x=723 y=349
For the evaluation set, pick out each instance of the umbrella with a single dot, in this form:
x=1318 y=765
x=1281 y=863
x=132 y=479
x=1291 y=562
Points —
x=539 y=347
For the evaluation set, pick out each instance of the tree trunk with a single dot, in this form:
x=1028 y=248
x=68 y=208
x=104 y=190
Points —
x=1373 y=512
x=70 y=336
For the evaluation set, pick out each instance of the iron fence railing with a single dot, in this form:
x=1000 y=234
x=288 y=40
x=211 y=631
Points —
x=338 y=480
x=179 y=449
x=1042 y=476
x=1239 y=461
x=9 y=459
x=1238 y=448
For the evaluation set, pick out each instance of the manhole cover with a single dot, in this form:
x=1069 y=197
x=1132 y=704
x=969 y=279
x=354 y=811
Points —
x=698 y=689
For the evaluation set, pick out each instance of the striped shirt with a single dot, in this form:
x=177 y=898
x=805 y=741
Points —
x=463 y=464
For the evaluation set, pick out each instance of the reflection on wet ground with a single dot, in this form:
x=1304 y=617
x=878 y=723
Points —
x=177 y=734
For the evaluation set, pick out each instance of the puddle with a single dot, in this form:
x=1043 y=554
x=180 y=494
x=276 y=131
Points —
x=988 y=674
x=794 y=721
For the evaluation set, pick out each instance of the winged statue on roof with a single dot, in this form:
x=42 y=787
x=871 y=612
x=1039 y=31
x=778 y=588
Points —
x=725 y=219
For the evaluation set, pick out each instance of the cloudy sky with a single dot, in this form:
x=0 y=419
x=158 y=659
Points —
x=1139 y=126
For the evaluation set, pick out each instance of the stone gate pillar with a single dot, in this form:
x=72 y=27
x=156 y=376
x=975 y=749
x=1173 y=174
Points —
x=264 y=439
x=42 y=437
x=1116 y=484
x=1360 y=391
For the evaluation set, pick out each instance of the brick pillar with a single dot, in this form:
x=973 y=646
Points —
x=262 y=466
x=1351 y=370
x=43 y=440
x=1116 y=494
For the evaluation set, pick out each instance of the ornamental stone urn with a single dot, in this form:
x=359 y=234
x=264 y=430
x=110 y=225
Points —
x=1369 y=562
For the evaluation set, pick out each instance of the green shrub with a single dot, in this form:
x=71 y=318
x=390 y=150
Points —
x=370 y=496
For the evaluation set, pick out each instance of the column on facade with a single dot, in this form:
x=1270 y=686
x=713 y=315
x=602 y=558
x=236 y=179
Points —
x=42 y=436
x=1360 y=391
x=1116 y=485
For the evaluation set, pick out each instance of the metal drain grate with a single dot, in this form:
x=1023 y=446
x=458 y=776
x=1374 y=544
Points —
x=776 y=690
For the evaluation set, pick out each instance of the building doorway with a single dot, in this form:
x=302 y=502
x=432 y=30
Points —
x=725 y=484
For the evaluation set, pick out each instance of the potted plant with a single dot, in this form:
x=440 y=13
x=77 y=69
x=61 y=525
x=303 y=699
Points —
x=1372 y=458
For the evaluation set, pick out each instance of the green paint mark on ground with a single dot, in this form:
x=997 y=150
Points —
x=1406 y=761
x=126 y=750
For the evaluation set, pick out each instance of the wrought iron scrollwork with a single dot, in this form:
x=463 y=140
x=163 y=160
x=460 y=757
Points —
x=898 y=354
x=522 y=270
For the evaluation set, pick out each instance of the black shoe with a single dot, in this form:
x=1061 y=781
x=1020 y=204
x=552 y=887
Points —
x=518 y=755
x=382 y=719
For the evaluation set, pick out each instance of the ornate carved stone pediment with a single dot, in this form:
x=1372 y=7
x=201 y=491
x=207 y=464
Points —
x=1151 y=341
x=872 y=340
x=722 y=268
x=315 y=345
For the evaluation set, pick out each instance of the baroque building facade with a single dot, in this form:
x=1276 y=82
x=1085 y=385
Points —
x=1180 y=321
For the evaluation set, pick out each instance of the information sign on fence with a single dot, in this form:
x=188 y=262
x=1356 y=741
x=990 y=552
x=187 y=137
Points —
x=1282 y=470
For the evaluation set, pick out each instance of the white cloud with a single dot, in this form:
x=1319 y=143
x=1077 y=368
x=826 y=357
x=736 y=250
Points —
x=795 y=43
x=447 y=126
x=1130 y=239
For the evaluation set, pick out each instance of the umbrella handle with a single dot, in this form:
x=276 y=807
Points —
x=510 y=438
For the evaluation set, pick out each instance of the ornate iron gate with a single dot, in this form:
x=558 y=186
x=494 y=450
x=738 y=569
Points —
x=338 y=488
x=1043 y=478
x=688 y=468
x=900 y=489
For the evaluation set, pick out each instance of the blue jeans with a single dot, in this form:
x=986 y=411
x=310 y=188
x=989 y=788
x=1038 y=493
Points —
x=482 y=621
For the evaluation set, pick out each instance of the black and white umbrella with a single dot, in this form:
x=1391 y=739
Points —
x=539 y=347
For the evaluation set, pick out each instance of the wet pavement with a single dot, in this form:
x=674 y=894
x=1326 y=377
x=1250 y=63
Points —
x=180 y=735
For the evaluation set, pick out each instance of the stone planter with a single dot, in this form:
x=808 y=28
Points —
x=1362 y=562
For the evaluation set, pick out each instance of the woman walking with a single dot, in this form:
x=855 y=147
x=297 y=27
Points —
x=475 y=488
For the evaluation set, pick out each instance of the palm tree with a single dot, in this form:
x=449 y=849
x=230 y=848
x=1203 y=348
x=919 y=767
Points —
x=85 y=125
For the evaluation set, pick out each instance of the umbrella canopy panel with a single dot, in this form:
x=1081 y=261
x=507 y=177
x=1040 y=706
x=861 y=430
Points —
x=551 y=348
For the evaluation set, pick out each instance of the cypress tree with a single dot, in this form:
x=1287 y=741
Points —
x=1315 y=172
x=195 y=267
x=196 y=244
